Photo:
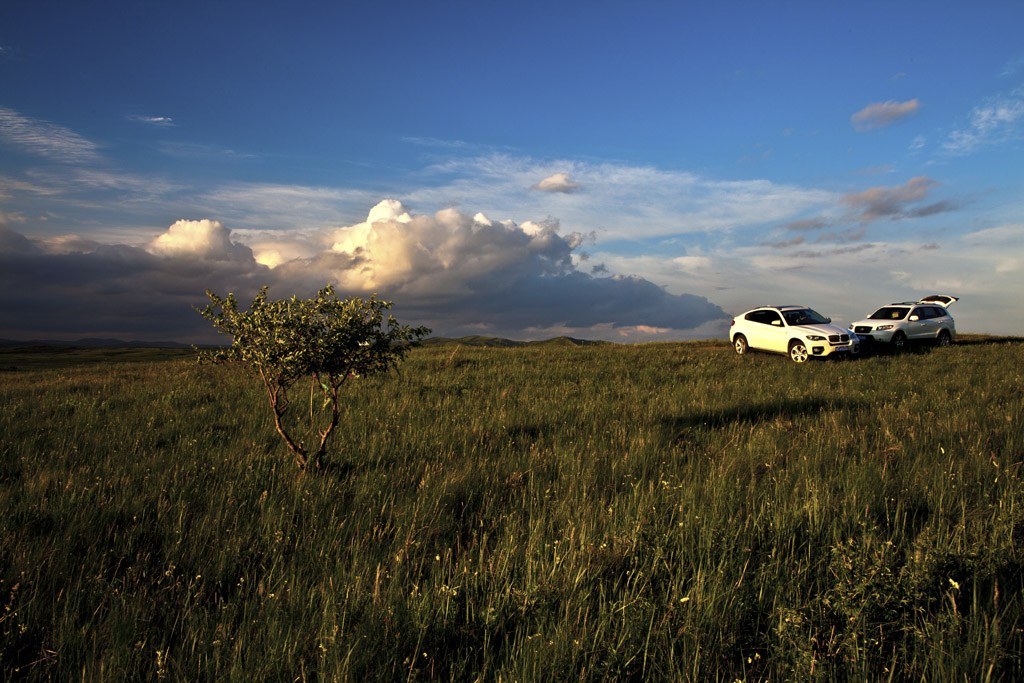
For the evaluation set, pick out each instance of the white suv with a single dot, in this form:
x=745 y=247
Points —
x=797 y=331
x=897 y=324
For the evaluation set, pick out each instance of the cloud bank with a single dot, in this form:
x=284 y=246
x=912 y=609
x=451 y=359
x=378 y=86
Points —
x=456 y=273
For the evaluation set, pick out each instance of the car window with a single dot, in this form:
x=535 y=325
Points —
x=889 y=313
x=763 y=317
x=938 y=312
x=804 y=316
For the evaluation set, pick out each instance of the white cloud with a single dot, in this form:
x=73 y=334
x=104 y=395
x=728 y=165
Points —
x=1012 y=67
x=269 y=206
x=204 y=239
x=558 y=182
x=161 y=121
x=621 y=201
x=997 y=121
x=396 y=250
x=45 y=139
x=1011 y=234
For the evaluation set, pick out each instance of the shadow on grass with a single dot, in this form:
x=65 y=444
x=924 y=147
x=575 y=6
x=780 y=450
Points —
x=339 y=471
x=984 y=339
x=683 y=429
x=923 y=348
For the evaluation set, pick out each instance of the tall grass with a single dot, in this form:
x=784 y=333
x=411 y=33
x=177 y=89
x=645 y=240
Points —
x=648 y=512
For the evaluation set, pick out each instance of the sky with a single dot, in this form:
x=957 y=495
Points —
x=629 y=171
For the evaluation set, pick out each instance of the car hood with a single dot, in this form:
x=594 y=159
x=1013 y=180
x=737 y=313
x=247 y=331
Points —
x=823 y=330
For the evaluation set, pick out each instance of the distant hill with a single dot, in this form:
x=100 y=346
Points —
x=98 y=343
x=476 y=340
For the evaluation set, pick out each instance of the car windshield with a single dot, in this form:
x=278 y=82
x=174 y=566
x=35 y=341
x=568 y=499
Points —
x=890 y=313
x=804 y=316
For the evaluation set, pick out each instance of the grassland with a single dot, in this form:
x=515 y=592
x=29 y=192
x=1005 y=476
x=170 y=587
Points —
x=537 y=513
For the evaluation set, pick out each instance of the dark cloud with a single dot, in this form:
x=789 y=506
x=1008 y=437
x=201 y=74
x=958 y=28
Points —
x=892 y=203
x=932 y=209
x=807 y=224
x=799 y=239
x=882 y=114
x=848 y=235
x=839 y=251
x=115 y=291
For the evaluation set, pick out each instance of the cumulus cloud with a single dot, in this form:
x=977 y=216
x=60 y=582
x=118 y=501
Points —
x=559 y=182
x=203 y=239
x=456 y=273
x=45 y=139
x=882 y=114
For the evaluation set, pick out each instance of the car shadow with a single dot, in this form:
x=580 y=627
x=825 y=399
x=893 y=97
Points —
x=985 y=340
x=926 y=347
x=683 y=428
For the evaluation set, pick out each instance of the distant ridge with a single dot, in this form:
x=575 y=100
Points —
x=499 y=342
x=97 y=343
x=475 y=340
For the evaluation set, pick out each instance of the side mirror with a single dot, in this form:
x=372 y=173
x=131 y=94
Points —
x=828 y=320
x=777 y=322
x=914 y=318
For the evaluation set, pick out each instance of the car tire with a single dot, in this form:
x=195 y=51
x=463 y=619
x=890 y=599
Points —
x=944 y=338
x=740 y=344
x=899 y=342
x=798 y=352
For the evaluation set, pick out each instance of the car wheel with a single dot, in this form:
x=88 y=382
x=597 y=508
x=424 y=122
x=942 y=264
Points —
x=944 y=338
x=798 y=352
x=740 y=344
x=899 y=341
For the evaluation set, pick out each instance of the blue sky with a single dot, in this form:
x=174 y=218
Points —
x=629 y=171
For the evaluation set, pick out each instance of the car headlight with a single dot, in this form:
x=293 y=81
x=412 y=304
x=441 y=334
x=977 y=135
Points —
x=815 y=337
x=883 y=327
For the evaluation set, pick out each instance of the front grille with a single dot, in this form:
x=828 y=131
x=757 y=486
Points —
x=839 y=339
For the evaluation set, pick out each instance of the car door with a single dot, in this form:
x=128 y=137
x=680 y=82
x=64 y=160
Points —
x=939 y=318
x=775 y=333
x=763 y=327
x=921 y=323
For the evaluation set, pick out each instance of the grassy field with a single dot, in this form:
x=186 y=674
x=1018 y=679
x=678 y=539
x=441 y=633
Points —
x=536 y=513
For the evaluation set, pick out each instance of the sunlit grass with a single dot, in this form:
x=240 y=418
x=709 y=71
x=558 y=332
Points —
x=648 y=512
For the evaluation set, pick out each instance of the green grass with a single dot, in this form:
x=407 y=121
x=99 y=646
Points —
x=531 y=513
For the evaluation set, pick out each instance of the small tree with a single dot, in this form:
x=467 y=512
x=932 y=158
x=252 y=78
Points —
x=325 y=338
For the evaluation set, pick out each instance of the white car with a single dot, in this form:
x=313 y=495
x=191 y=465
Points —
x=798 y=331
x=900 y=323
